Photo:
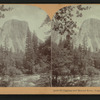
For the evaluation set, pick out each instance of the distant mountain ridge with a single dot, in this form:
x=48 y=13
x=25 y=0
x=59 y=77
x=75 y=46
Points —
x=90 y=33
x=14 y=34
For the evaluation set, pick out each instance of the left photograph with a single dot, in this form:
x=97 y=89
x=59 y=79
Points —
x=25 y=46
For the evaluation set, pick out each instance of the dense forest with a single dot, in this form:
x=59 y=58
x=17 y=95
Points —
x=35 y=60
x=19 y=66
x=72 y=65
x=57 y=61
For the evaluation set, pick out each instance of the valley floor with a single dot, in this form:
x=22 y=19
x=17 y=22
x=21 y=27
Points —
x=36 y=80
x=43 y=80
x=78 y=81
x=94 y=81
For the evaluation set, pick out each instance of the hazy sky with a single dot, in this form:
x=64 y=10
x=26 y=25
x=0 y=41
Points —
x=33 y=15
x=94 y=12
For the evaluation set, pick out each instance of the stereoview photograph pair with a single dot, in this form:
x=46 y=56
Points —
x=36 y=51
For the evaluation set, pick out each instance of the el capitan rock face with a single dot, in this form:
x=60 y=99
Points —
x=14 y=34
x=90 y=34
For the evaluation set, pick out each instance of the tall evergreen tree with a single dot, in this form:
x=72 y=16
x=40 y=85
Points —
x=34 y=44
x=34 y=51
x=28 y=52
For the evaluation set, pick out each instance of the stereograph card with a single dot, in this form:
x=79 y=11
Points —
x=49 y=49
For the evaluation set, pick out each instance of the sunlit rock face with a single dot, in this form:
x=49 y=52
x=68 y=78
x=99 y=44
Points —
x=89 y=34
x=13 y=33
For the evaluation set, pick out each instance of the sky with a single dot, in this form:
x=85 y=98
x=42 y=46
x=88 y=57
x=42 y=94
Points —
x=94 y=12
x=33 y=15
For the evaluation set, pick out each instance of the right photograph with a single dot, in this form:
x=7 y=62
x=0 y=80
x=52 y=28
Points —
x=75 y=44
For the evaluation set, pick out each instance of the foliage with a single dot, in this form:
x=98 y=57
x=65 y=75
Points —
x=37 y=55
x=67 y=60
x=3 y=9
x=63 y=19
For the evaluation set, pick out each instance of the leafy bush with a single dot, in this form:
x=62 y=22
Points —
x=92 y=71
x=64 y=81
x=5 y=81
x=13 y=71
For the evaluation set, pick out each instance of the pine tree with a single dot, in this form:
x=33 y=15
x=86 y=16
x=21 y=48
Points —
x=28 y=52
x=5 y=56
x=34 y=51
x=35 y=43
